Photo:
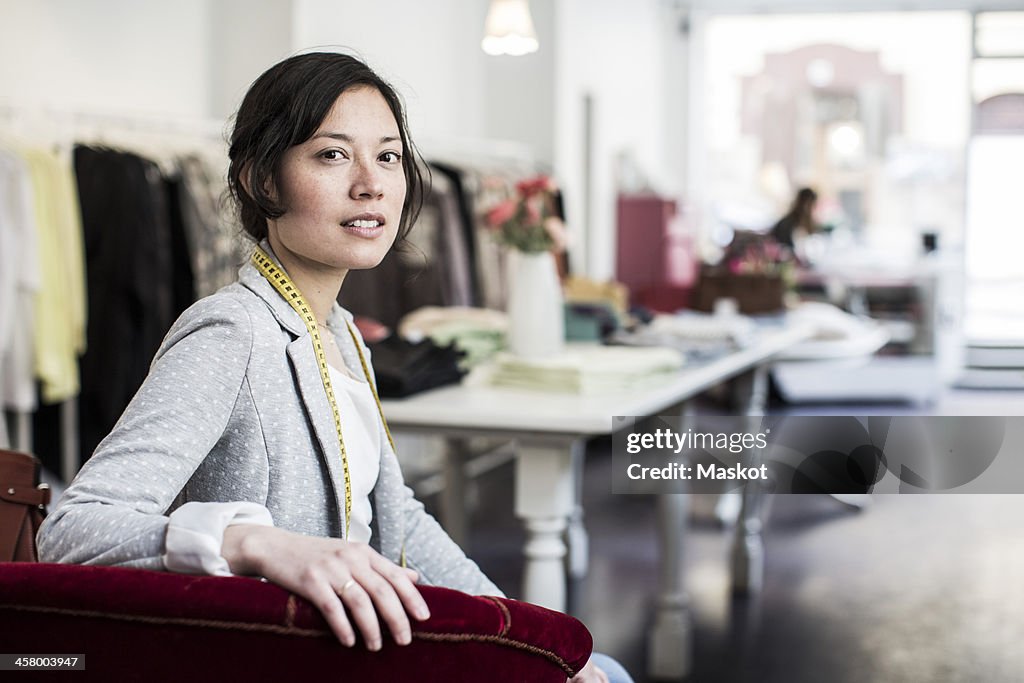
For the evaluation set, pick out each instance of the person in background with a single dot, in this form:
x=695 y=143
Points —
x=257 y=445
x=799 y=221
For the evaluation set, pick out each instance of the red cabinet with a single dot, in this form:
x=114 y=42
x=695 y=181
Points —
x=654 y=257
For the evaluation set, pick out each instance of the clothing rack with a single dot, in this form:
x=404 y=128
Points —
x=45 y=124
x=206 y=129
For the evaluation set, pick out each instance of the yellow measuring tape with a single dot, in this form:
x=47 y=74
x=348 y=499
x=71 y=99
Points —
x=287 y=289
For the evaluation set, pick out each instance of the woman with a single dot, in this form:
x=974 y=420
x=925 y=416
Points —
x=799 y=221
x=256 y=444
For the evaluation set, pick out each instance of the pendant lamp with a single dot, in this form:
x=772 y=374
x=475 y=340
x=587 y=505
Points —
x=509 y=29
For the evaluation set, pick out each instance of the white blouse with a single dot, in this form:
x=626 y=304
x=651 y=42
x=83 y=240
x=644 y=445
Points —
x=359 y=420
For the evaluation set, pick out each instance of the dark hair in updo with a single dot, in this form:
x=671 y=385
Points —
x=283 y=108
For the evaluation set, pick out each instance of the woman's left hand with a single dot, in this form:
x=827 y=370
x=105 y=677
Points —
x=589 y=674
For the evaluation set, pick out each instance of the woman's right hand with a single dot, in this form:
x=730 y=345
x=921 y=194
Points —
x=340 y=578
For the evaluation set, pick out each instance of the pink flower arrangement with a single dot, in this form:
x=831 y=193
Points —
x=760 y=257
x=527 y=222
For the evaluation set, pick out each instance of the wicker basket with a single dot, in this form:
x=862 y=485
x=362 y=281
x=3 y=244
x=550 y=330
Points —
x=753 y=293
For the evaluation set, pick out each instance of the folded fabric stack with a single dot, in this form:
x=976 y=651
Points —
x=588 y=369
x=478 y=332
x=699 y=336
x=403 y=368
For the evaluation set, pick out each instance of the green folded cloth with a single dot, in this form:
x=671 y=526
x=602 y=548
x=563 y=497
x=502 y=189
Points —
x=478 y=343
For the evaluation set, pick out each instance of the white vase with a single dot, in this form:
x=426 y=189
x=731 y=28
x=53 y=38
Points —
x=536 y=315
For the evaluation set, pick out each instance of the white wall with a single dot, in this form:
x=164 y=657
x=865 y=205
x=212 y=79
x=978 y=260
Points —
x=196 y=58
x=243 y=44
x=518 y=93
x=611 y=51
x=429 y=51
x=106 y=55
x=676 y=43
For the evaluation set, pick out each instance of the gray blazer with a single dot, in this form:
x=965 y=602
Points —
x=233 y=409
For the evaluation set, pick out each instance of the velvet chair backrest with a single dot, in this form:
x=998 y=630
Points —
x=149 y=626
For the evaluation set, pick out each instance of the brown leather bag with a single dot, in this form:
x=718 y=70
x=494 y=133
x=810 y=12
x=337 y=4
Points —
x=23 y=503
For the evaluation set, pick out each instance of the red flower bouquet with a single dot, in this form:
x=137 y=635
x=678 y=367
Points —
x=527 y=222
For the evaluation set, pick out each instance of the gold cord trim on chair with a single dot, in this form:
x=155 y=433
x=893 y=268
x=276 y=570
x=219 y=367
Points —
x=295 y=631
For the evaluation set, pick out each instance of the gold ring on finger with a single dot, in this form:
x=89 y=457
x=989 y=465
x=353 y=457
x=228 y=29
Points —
x=348 y=584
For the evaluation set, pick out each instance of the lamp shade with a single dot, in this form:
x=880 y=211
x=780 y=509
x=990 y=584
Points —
x=509 y=29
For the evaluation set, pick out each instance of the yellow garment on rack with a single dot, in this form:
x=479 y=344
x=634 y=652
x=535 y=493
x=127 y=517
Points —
x=61 y=299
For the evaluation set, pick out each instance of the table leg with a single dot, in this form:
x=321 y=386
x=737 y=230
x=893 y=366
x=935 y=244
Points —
x=747 y=555
x=576 y=536
x=670 y=638
x=544 y=501
x=453 y=495
x=748 y=546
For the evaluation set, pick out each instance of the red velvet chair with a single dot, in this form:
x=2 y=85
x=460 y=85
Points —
x=151 y=626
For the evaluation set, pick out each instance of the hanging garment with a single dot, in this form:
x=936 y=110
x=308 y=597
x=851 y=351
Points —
x=462 y=204
x=477 y=191
x=129 y=257
x=19 y=283
x=455 y=257
x=215 y=245
x=183 y=292
x=60 y=302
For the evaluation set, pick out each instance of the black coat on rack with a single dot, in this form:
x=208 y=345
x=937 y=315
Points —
x=130 y=276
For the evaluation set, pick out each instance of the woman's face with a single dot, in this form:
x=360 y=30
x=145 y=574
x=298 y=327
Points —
x=343 y=189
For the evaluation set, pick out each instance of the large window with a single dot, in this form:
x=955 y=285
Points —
x=871 y=109
x=995 y=202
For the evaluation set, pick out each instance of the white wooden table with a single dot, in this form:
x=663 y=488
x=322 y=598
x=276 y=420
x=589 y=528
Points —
x=550 y=431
